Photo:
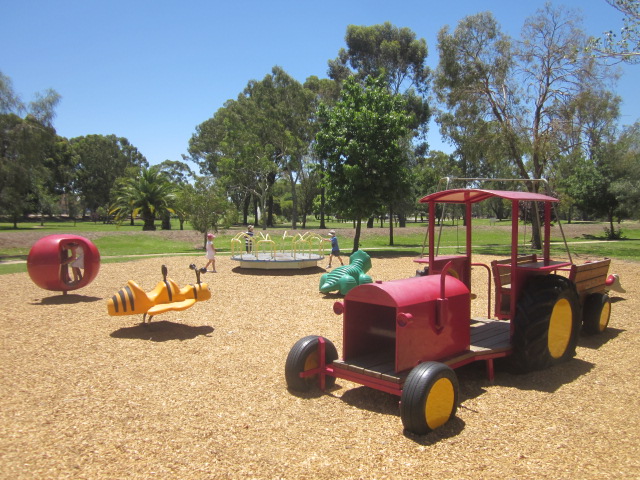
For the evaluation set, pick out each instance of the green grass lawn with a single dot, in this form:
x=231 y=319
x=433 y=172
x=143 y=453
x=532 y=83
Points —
x=585 y=238
x=140 y=244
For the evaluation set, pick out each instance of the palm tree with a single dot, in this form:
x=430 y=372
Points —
x=149 y=195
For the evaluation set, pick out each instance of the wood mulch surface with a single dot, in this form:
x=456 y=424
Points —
x=201 y=394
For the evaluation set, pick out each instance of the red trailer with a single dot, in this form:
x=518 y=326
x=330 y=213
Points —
x=407 y=336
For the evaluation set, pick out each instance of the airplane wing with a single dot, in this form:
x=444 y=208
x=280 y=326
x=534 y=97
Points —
x=169 y=307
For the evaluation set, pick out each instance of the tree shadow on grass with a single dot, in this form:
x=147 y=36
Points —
x=162 y=331
x=66 y=300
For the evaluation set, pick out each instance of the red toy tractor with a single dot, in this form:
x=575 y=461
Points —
x=407 y=336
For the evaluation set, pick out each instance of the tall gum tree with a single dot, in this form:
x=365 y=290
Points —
x=253 y=140
x=325 y=91
x=625 y=45
x=399 y=57
x=517 y=87
x=25 y=143
x=100 y=161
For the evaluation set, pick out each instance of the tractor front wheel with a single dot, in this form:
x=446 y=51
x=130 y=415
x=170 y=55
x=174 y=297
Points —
x=547 y=323
x=304 y=356
x=429 y=397
x=597 y=311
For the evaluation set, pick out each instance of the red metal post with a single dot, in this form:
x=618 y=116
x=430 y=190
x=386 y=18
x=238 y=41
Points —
x=514 y=260
x=322 y=348
x=490 y=373
x=432 y=231
x=547 y=231
x=468 y=222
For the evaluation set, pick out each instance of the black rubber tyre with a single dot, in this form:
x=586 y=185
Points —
x=429 y=397
x=596 y=313
x=303 y=356
x=547 y=323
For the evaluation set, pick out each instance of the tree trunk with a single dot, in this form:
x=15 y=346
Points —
x=612 y=233
x=391 y=226
x=322 y=202
x=271 y=180
x=166 y=221
x=322 y=198
x=269 y=215
x=264 y=212
x=256 y=220
x=149 y=224
x=536 y=239
x=294 y=202
x=245 y=209
x=356 y=237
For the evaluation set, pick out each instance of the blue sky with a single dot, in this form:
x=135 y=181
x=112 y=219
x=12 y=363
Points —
x=151 y=71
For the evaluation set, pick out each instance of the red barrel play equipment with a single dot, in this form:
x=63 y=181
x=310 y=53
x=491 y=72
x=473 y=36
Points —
x=63 y=262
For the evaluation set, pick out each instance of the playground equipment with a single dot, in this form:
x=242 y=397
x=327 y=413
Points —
x=613 y=284
x=304 y=243
x=167 y=296
x=407 y=336
x=262 y=252
x=345 y=277
x=63 y=262
x=241 y=242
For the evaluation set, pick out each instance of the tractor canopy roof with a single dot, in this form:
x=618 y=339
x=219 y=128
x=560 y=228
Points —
x=475 y=195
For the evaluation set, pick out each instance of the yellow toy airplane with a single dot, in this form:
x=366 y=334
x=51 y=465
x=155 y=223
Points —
x=165 y=297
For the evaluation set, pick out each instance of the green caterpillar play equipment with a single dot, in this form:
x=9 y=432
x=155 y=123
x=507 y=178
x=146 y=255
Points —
x=346 y=277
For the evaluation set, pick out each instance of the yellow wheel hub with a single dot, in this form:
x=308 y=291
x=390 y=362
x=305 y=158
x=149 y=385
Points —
x=310 y=363
x=604 y=317
x=439 y=403
x=560 y=326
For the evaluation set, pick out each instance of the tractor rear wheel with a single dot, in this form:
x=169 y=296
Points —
x=596 y=313
x=429 y=397
x=546 y=324
x=303 y=356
